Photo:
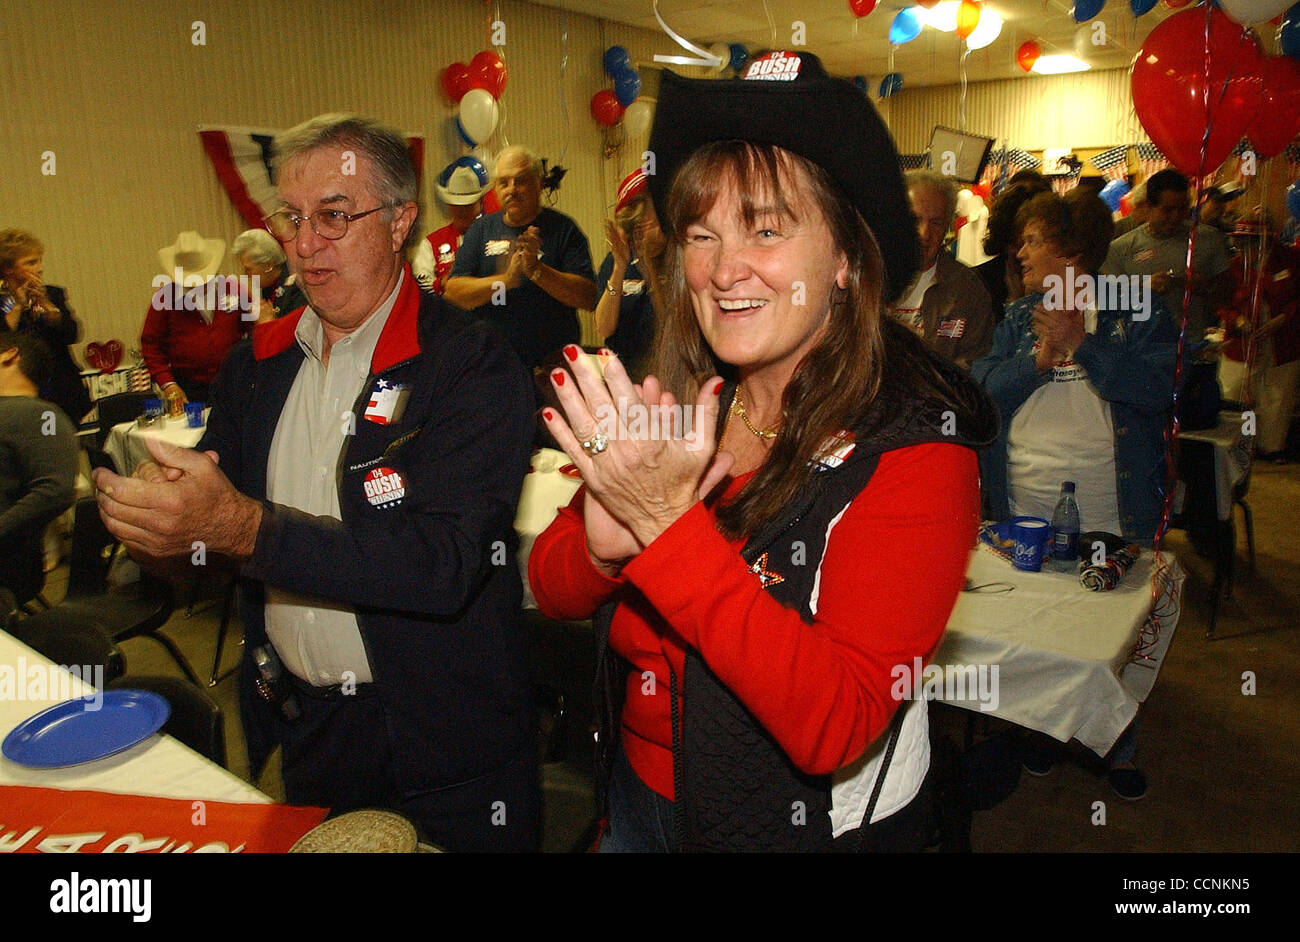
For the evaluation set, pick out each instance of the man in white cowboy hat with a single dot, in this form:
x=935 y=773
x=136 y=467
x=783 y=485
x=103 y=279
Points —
x=461 y=187
x=185 y=340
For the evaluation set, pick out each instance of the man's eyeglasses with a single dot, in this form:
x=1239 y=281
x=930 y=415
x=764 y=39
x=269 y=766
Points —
x=326 y=223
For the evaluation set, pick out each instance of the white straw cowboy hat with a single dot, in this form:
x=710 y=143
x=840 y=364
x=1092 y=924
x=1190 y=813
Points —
x=193 y=255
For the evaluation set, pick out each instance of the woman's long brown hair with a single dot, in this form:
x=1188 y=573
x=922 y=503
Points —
x=835 y=385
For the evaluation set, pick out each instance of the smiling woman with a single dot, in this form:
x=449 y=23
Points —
x=743 y=575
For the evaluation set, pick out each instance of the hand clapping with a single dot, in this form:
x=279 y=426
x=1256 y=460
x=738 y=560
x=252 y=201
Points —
x=637 y=460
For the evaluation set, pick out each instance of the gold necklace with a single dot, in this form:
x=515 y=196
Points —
x=738 y=408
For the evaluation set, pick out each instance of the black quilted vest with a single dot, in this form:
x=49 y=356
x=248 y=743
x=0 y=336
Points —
x=736 y=790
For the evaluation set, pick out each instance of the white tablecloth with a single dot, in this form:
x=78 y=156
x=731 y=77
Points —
x=1062 y=652
x=125 y=443
x=160 y=766
x=1231 y=458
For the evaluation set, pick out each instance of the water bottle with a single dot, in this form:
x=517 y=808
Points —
x=1065 y=528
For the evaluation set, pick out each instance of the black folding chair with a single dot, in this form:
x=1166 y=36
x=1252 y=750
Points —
x=116 y=409
x=195 y=718
x=123 y=612
x=71 y=641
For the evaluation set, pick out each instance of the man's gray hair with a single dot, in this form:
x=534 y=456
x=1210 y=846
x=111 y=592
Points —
x=516 y=151
x=258 y=247
x=395 y=180
x=937 y=183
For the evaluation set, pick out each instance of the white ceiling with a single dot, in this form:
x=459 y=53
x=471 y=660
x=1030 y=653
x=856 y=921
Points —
x=849 y=46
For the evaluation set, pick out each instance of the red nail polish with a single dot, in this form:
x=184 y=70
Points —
x=548 y=415
x=717 y=387
x=557 y=376
x=572 y=353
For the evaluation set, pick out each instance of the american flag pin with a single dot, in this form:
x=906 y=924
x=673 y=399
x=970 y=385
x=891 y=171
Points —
x=386 y=403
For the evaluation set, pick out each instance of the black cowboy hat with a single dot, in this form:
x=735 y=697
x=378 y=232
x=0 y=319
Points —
x=785 y=99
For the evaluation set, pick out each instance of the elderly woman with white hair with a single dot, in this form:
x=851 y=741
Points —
x=260 y=256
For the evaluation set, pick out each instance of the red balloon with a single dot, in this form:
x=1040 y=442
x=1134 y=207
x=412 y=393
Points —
x=982 y=189
x=605 y=108
x=968 y=17
x=861 y=8
x=1277 y=122
x=1168 y=80
x=1028 y=54
x=487 y=71
x=455 y=81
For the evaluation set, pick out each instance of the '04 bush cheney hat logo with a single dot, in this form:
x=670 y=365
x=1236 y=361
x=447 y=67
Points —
x=786 y=99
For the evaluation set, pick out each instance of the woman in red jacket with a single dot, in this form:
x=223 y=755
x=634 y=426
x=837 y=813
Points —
x=766 y=573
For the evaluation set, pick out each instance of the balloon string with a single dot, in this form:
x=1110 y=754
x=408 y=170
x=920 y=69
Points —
x=1253 y=341
x=1172 y=428
x=502 y=112
x=965 y=54
x=771 y=23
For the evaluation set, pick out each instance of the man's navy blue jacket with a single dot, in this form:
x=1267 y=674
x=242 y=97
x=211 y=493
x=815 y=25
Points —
x=432 y=576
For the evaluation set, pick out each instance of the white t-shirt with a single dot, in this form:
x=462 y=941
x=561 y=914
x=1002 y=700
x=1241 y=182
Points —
x=908 y=309
x=1064 y=432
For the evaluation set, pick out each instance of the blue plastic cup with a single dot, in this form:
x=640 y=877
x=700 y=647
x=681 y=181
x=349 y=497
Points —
x=1030 y=534
x=194 y=414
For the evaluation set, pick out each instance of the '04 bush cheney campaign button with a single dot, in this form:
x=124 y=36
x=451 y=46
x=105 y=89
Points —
x=384 y=488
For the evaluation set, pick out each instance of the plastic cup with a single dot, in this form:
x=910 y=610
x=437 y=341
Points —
x=1030 y=534
x=194 y=414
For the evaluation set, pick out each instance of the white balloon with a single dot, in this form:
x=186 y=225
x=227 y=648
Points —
x=723 y=52
x=1250 y=12
x=478 y=114
x=637 y=117
x=987 y=30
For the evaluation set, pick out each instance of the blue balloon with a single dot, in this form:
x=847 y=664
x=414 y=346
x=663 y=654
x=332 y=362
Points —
x=1289 y=32
x=1140 y=7
x=1086 y=9
x=860 y=83
x=627 y=85
x=906 y=26
x=616 y=60
x=1113 y=192
x=1293 y=199
x=891 y=84
x=739 y=54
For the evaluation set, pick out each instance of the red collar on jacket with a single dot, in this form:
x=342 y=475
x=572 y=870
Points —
x=397 y=342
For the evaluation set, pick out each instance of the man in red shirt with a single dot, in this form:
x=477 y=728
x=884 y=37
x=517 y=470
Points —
x=461 y=187
x=186 y=337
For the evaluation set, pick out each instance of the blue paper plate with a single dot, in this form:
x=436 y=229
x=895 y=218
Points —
x=72 y=732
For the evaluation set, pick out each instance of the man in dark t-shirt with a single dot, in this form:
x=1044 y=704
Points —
x=525 y=269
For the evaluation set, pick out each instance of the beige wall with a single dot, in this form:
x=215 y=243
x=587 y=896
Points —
x=1083 y=110
x=116 y=90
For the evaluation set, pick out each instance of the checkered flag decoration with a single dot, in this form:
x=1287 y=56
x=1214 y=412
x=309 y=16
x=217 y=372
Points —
x=1004 y=162
x=1112 y=163
x=912 y=161
x=1150 y=159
